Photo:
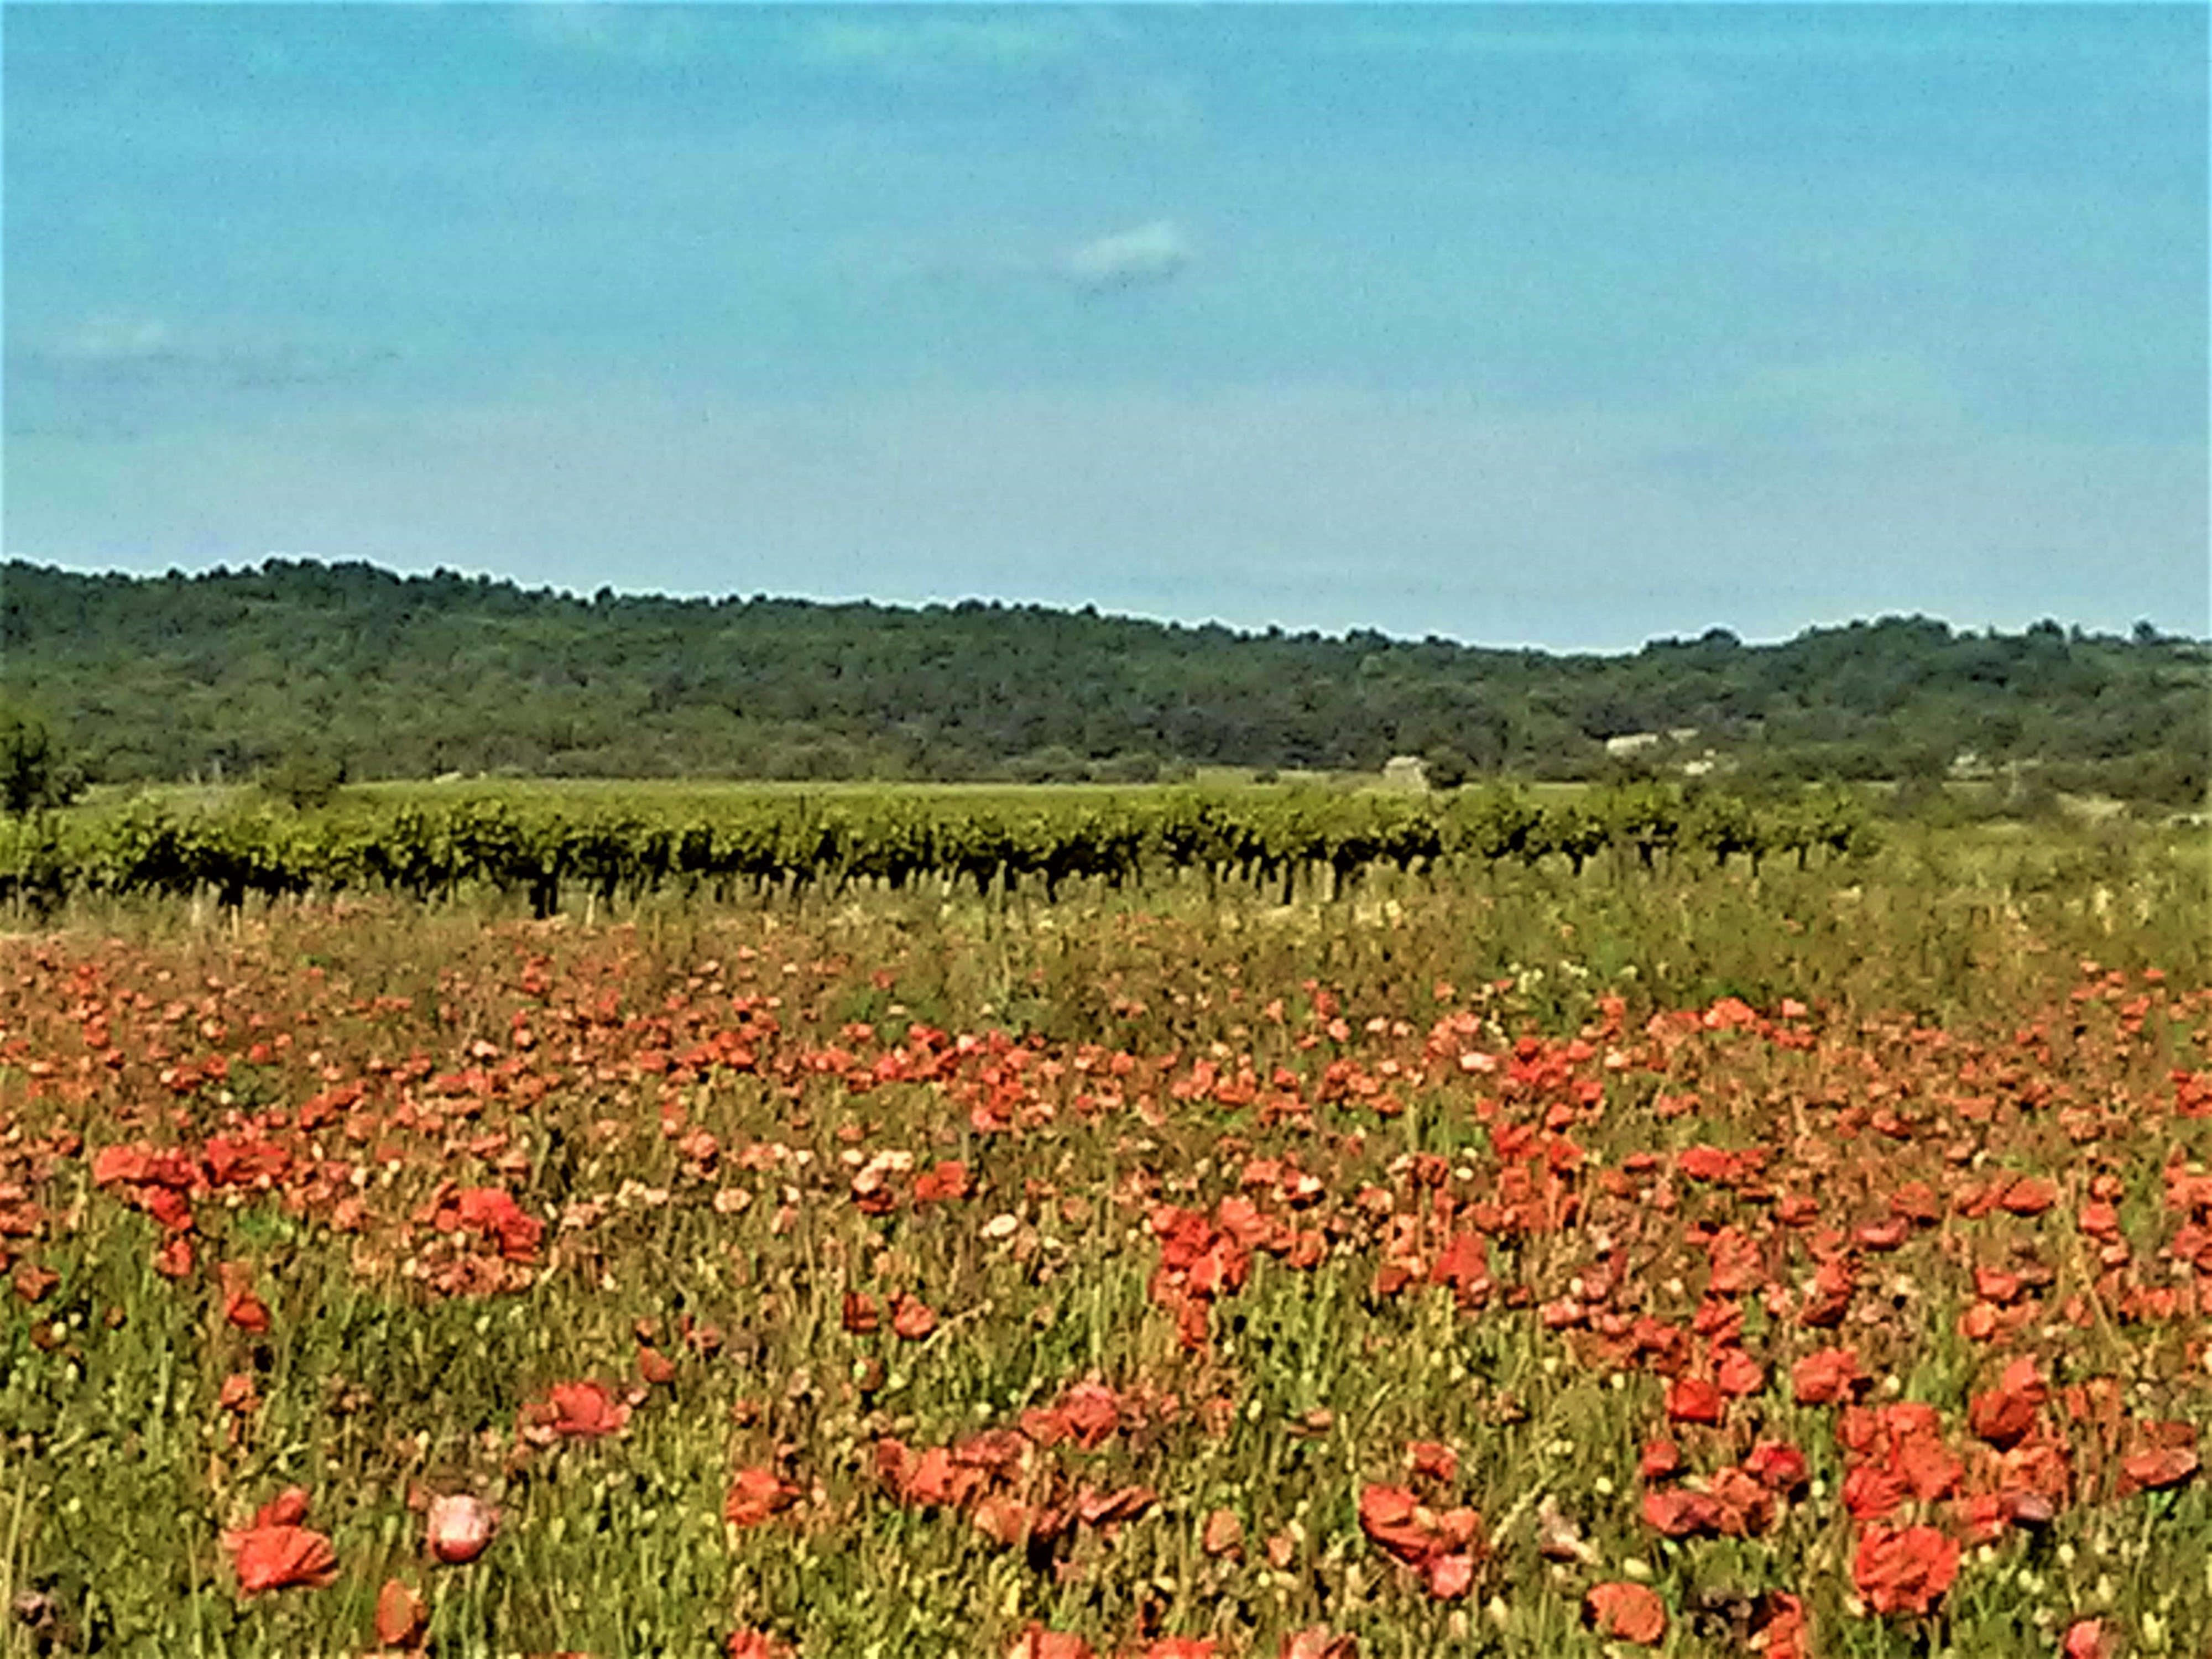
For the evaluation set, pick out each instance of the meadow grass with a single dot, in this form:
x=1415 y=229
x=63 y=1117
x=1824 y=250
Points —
x=373 y=1386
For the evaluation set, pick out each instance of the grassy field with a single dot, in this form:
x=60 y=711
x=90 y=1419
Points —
x=1813 y=1264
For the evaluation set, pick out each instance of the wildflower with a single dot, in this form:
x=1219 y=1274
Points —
x=401 y=1618
x=1904 y=1571
x=2003 y=1415
x=1629 y=1611
x=459 y=1527
x=1038 y=1642
x=756 y=1494
x=756 y=1644
x=276 y=1552
x=576 y=1411
x=241 y=1306
x=1827 y=1377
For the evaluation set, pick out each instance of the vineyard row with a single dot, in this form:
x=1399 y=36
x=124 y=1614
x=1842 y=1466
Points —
x=792 y=846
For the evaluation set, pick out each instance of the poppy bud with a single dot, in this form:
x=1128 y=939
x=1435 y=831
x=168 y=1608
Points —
x=460 y=1526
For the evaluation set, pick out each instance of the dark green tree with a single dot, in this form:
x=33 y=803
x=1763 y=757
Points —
x=32 y=773
x=1445 y=768
x=304 y=780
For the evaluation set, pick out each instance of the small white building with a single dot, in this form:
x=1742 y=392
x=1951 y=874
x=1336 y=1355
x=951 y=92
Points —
x=1406 y=772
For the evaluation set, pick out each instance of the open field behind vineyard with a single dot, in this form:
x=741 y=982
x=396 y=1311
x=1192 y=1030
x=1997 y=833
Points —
x=1473 y=1258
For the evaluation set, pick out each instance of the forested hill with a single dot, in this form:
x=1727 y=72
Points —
x=146 y=678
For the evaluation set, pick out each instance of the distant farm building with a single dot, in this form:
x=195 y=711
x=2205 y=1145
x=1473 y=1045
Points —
x=1406 y=772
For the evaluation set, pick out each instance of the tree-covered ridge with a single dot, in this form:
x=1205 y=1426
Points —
x=147 y=678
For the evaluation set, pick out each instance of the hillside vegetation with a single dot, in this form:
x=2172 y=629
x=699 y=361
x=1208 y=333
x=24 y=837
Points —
x=228 y=674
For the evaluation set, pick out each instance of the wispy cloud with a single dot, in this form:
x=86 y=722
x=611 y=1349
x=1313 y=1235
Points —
x=125 y=348
x=115 y=339
x=1153 y=253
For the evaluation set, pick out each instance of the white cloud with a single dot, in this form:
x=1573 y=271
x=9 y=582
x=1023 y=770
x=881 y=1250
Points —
x=120 y=348
x=1152 y=253
x=115 y=339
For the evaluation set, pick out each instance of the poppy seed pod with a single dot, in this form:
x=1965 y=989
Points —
x=459 y=1527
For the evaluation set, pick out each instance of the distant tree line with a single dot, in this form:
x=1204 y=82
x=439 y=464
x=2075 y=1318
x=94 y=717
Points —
x=314 y=672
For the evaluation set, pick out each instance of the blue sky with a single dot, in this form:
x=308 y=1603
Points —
x=1569 y=326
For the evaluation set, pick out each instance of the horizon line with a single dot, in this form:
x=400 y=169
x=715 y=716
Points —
x=222 y=570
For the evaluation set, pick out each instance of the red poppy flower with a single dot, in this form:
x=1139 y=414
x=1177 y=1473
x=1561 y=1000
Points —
x=947 y=1179
x=1927 y=1468
x=174 y=1259
x=241 y=1306
x=35 y=1284
x=1675 y=1513
x=2003 y=1415
x=1694 y=1400
x=1006 y=1521
x=288 y=1508
x=2027 y=1195
x=1738 y=1374
x=1111 y=1509
x=1092 y=1412
x=1904 y=1571
x=270 y=1557
x=401 y=1618
x=2156 y=1470
x=1629 y=1613
x=493 y=1211
x=1387 y=1516
x=756 y=1494
x=1433 y=1459
x=756 y=1644
x=1872 y=1494
x=1224 y=1535
x=1778 y=1466
x=912 y=1318
x=1779 y=1627
x=1038 y=1642
x=579 y=1411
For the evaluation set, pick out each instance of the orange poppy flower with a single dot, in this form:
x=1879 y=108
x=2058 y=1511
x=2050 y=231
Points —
x=1628 y=1612
x=401 y=1618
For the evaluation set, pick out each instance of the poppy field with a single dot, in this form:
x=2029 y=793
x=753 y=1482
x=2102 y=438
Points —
x=1811 y=1263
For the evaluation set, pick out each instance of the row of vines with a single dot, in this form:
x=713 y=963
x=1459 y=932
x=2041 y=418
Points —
x=791 y=846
